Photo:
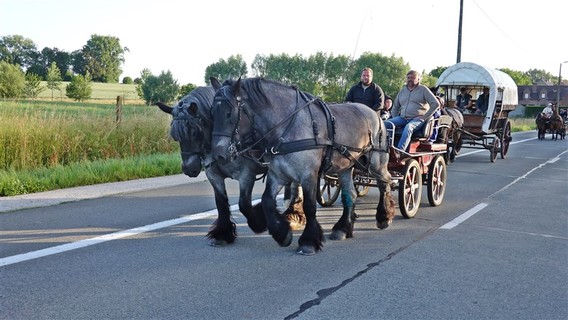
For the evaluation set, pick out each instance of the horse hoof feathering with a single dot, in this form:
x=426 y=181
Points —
x=301 y=132
x=192 y=128
x=297 y=220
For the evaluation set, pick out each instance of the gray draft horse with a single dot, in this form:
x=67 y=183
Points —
x=191 y=127
x=303 y=138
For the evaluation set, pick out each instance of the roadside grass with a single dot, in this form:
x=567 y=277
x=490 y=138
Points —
x=84 y=173
x=46 y=145
x=522 y=124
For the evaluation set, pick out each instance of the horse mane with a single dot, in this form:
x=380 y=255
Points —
x=256 y=92
x=183 y=120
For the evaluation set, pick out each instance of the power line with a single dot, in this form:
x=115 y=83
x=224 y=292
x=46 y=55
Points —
x=503 y=32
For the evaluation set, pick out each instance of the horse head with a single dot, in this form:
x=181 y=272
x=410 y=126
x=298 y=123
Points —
x=226 y=112
x=191 y=127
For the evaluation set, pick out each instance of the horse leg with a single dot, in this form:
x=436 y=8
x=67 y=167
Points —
x=256 y=219
x=223 y=231
x=278 y=227
x=294 y=212
x=456 y=136
x=311 y=240
x=343 y=228
x=386 y=207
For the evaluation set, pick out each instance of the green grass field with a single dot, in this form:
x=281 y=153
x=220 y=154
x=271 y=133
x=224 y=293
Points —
x=101 y=91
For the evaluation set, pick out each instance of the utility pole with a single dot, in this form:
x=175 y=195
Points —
x=458 y=60
x=559 y=83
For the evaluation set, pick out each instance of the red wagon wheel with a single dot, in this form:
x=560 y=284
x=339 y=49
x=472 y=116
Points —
x=410 y=189
x=436 y=185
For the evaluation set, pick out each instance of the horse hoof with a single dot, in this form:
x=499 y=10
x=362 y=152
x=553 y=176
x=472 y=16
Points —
x=306 y=250
x=218 y=243
x=384 y=224
x=338 y=235
x=287 y=241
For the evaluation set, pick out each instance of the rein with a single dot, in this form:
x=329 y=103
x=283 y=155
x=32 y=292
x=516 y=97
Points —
x=197 y=123
x=282 y=147
x=273 y=150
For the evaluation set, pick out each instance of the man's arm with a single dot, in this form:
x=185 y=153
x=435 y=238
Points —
x=379 y=98
x=432 y=101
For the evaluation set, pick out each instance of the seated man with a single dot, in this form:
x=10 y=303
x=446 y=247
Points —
x=413 y=105
x=463 y=100
x=482 y=102
x=548 y=111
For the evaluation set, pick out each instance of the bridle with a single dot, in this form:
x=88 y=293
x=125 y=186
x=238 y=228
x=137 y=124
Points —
x=196 y=123
x=236 y=146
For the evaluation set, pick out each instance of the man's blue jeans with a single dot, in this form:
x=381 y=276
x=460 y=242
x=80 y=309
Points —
x=410 y=125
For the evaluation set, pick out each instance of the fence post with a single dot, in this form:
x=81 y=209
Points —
x=119 y=100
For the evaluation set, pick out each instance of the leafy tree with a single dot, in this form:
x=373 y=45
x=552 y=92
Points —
x=537 y=74
x=319 y=74
x=79 y=65
x=335 y=80
x=42 y=61
x=428 y=80
x=388 y=72
x=33 y=86
x=103 y=56
x=144 y=75
x=185 y=89
x=17 y=50
x=127 y=80
x=233 y=68
x=161 y=88
x=520 y=78
x=282 y=67
x=53 y=78
x=79 y=89
x=12 y=80
x=436 y=73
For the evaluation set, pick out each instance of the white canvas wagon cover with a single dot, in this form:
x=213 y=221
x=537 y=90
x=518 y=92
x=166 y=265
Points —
x=472 y=74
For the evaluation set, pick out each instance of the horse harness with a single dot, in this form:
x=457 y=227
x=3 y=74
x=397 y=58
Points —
x=204 y=147
x=282 y=147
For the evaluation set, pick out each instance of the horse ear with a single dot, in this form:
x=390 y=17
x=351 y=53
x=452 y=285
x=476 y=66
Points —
x=193 y=108
x=215 y=83
x=236 y=89
x=164 y=107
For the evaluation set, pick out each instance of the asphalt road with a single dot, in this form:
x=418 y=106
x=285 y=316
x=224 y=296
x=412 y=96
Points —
x=497 y=248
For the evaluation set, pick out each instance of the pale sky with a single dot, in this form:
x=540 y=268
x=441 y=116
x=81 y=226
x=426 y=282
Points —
x=185 y=37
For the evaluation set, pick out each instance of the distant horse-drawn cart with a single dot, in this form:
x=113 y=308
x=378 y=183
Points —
x=488 y=129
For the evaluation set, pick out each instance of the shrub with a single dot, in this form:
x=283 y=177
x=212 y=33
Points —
x=12 y=80
x=127 y=80
x=79 y=89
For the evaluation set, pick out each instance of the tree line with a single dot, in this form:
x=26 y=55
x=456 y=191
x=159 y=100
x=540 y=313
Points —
x=100 y=59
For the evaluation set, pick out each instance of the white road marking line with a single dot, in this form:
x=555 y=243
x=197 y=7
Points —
x=111 y=236
x=464 y=216
x=481 y=150
x=468 y=214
